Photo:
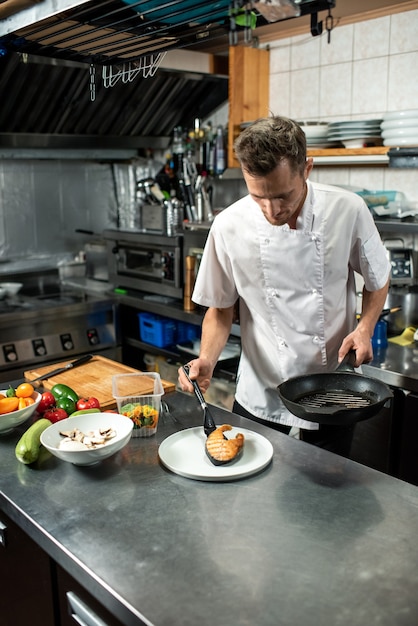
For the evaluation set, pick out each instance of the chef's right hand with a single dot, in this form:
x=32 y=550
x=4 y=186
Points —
x=199 y=369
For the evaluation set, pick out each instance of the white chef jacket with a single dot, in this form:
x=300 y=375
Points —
x=296 y=288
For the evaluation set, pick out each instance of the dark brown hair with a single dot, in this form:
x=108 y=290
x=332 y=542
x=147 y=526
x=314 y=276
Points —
x=267 y=141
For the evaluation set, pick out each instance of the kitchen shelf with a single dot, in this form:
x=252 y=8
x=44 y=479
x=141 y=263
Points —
x=376 y=155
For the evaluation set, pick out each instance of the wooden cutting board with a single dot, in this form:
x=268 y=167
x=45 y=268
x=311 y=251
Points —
x=94 y=379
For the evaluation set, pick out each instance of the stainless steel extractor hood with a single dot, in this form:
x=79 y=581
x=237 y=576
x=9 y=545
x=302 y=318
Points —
x=120 y=31
x=66 y=65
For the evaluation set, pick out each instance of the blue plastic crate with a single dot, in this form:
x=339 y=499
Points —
x=157 y=330
x=187 y=332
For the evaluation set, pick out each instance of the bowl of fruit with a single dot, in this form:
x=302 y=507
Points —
x=17 y=405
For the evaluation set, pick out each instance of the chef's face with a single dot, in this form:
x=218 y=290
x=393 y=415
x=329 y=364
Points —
x=281 y=194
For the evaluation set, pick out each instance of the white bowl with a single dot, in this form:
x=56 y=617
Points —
x=11 y=288
x=123 y=426
x=396 y=115
x=405 y=131
x=8 y=421
x=408 y=122
x=315 y=130
x=410 y=141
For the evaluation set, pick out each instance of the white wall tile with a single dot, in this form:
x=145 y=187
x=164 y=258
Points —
x=304 y=90
x=399 y=179
x=335 y=90
x=370 y=85
x=280 y=56
x=304 y=52
x=402 y=81
x=341 y=47
x=279 y=101
x=404 y=32
x=371 y=38
x=366 y=177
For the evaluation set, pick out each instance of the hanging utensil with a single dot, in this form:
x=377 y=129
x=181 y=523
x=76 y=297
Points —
x=208 y=422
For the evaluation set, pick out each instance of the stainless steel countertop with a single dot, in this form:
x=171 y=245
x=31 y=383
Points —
x=396 y=366
x=313 y=539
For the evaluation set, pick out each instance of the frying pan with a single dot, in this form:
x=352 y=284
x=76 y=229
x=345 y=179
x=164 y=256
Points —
x=339 y=398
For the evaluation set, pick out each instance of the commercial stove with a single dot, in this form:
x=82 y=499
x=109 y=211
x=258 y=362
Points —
x=42 y=328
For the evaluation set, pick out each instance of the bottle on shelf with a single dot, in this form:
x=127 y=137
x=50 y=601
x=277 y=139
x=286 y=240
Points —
x=220 y=157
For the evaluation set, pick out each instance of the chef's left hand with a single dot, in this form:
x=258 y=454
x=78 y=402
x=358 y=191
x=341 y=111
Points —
x=360 y=342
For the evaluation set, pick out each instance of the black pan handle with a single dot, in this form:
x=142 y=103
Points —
x=347 y=364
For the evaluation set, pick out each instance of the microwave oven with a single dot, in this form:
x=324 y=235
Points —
x=145 y=262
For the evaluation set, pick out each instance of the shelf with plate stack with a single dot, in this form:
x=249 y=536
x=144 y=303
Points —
x=372 y=155
x=356 y=142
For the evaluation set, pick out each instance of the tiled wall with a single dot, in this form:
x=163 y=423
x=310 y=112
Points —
x=368 y=69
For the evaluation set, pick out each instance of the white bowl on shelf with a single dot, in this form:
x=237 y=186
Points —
x=405 y=142
x=410 y=122
x=396 y=115
x=400 y=132
x=315 y=130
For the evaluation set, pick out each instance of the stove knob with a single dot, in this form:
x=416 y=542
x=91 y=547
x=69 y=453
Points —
x=10 y=353
x=39 y=347
x=67 y=341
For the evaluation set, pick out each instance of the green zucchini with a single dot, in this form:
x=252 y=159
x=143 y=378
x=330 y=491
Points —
x=28 y=446
x=83 y=411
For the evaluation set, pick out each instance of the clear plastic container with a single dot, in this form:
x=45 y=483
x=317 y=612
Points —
x=138 y=396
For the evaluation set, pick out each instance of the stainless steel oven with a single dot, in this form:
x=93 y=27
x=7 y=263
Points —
x=145 y=262
x=41 y=329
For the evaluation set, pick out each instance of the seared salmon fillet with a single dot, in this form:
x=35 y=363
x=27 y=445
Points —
x=221 y=450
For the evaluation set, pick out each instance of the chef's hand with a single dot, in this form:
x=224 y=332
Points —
x=200 y=370
x=360 y=342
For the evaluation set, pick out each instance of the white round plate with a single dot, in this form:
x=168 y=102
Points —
x=395 y=115
x=351 y=123
x=184 y=453
x=347 y=134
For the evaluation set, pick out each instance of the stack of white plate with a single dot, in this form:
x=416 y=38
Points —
x=356 y=133
x=400 y=128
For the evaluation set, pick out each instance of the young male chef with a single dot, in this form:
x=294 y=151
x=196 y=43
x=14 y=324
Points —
x=287 y=252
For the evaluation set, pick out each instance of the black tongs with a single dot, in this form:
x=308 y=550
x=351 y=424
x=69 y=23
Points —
x=208 y=422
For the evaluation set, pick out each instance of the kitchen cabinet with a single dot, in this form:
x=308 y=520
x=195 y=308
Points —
x=38 y=592
x=248 y=91
x=78 y=605
x=25 y=574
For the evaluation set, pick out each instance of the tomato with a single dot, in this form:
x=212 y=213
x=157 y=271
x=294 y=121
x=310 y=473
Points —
x=24 y=390
x=67 y=404
x=47 y=401
x=55 y=415
x=63 y=391
x=88 y=403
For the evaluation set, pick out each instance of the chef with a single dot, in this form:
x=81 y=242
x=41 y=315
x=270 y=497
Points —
x=287 y=253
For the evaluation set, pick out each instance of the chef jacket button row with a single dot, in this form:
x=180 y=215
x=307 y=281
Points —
x=316 y=339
